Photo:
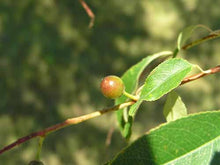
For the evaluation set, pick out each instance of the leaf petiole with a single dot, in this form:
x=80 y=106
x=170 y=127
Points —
x=40 y=144
x=133 y=97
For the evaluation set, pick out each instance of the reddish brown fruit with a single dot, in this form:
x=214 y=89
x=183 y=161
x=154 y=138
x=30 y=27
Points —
x=112 y=87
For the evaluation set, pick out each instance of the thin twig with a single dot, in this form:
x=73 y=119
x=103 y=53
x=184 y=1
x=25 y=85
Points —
x=206 y=38
x=89 y=12
x=80 y=119
x=66 y=123
x=109 y=136
x=202 y=74
x=211 y=35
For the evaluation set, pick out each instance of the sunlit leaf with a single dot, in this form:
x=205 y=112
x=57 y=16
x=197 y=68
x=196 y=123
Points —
x=165 y=77
x=174 y=107
x=194 y=139
x=130 y=79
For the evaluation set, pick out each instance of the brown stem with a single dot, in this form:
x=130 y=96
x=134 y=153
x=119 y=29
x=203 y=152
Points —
x=89 y=12
x=202 y=74
x=212 y=35
x=80 y=119
x=206 y=38
x=66 y=123
x=109 y=136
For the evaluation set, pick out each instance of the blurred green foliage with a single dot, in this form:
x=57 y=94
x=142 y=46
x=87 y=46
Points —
x=51 y=65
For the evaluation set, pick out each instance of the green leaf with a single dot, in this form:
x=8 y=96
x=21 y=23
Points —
x=193 y=140
x=174 y=107
x=128 y=125
x=130 y=79
x=165 y=77
x=185 y=35
x=127 y=128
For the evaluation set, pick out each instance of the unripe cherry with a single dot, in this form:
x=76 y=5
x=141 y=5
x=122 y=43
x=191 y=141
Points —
x=112 y=87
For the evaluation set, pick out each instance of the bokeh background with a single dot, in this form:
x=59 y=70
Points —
x=51 y=65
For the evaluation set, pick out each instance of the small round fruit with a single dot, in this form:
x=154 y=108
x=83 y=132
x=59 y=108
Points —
x=112 y=87
x=35 y=162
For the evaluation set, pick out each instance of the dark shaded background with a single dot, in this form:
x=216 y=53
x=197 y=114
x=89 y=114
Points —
x=51 y=65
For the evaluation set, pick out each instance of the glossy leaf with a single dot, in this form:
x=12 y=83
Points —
x=194 y=139
x=174 y=107
x=165 y=77
x=130 y=79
